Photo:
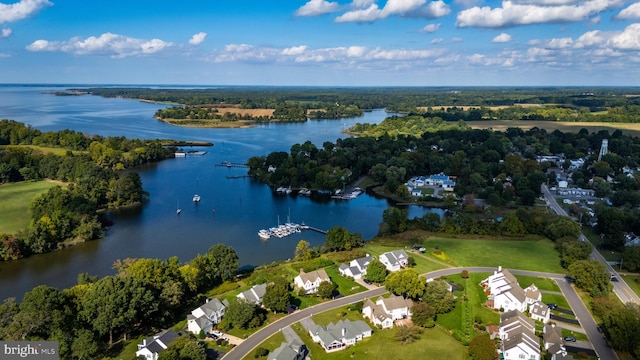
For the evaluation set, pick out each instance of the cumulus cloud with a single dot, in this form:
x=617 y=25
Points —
x=514 y=13
x=502 y=38
x=5 y=33
x=431 y=28
x=107 y=44
x=629 y=39
x=304 y=54
x=437 y=41
x=631 y=12
x=317 y=7
x=369 y=11
x=21 y=10
x=198 y=38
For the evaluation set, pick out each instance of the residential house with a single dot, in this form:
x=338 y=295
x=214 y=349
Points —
x=254 y=295
x=204 y=317
x=437 y=179
x=289 y=351
x=356 y=268
x=394 y=260
x=505 y=292
x=519 y=340
x=416 y=192
x=631 y=239
x=386 y=310
x=448 y=185
x=532 y=294
x=552 y=342
x=344 y=333
x=311 y=280
x=152 y=346
x=540 y=312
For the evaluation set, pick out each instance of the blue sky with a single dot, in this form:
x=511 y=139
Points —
x=322 y=42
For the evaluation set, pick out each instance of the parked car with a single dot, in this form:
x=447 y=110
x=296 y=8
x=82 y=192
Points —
x=212 y=336
x=552 y=306
x=217 y=333
x=366 y=281
x=569 y=338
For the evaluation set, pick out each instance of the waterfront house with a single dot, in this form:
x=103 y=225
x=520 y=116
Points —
x=386 y=310
x=311 y=280
x=150 y=347
x=254 y=295
x=394 y=260
x=339 y=336
x=204 y=317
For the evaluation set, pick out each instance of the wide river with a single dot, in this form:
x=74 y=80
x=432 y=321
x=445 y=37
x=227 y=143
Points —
x=231 y=211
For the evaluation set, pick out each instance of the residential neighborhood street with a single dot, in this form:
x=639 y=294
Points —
x=582 y=314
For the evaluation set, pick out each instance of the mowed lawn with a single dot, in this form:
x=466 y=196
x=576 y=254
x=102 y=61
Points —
x=15 y=201
x=535 y=255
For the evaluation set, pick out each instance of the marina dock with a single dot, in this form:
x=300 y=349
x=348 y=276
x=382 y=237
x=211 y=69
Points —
x=230 y=165
x=285 y=230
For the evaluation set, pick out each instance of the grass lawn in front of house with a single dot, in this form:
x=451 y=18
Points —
x=345 y=286
x=534 y=255
x=545 y=284
x=557 y=299
x=272 y=343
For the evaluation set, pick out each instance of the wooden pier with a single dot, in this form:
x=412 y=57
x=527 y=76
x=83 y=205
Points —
x=318 y=230
x=231 y=165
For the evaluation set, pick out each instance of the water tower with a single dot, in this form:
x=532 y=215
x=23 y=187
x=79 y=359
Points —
x=604 y=149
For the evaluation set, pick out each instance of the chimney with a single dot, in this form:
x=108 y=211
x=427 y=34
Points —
x=500 y=268
x=344 y=331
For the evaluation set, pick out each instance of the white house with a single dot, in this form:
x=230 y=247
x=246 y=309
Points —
x=532 y=294
x=150 y=347
x=339 y=336
x=503 y=288
x=254 y=295
x=203 y=318
x=356 y=268
x=386 y=310
x=394 y=260
x=311 y=280
x=517 y=333
x=540 y=312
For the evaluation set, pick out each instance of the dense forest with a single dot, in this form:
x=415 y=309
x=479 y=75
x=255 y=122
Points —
x=92 y=170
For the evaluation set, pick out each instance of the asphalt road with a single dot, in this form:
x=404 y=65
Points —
x=620 y=288
x=582 y=314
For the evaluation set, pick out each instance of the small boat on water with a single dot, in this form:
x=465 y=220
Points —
x=264 y=234
x=178 y=210
x=304 y=192
x=196 y=198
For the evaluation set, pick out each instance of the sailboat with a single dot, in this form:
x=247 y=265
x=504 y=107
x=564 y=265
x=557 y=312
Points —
x=178 y=210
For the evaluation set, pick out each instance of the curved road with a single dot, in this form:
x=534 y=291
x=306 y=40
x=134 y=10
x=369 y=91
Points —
x=580 y=310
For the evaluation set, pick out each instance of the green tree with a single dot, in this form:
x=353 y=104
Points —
x=183 y=348
x=376 y=272
x=113 y=304
x=395 y=220
x=560 y=227
x=225 y=260
x=574 y=250
x=438 y=296
x=423 y=314
x=631 y=258
x=277 y=295
x=239 y=314
x=511 y=225
x=622 y=326
x=482 y=348
x=303 y=251
x=326 y=289
x=405 y=282
x=407 y=334
x=85 y=346
x=591 y=276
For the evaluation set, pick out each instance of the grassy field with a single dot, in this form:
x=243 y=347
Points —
x=633 y=281
x=345 y=286
x=632 y=129
x=535 y=255
x=541 y=283
x=44 y=150
x=15 y=200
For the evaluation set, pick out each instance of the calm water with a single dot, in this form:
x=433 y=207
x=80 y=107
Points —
x=231 y=210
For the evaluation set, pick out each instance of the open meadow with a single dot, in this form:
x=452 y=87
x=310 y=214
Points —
x=15 y=201
x=632 y=129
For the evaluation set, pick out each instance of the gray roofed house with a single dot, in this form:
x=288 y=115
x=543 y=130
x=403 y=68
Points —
x=340 y=335
x=203 y=318
x=540 y=311
x=311 y=280
x=255 y=294
x=289 y=351
x=394 y=260
x=377 y=314
x=152 y=346
x=517 y=333
x=551 y=335
x=356 y=268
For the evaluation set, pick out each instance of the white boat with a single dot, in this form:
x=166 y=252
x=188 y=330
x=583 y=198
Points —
x=304 y=192
x=196 y=198
x=178 y=210
x=264 y=234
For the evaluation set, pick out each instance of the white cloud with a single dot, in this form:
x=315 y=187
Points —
x=515 y=14
x=437 y=41
x=589 y=39
x=404 y=8
x=4 y=55
x=631 y=12
x=431 y=28
x=559 y=43
x=5 y=33
x=465 y=4
x=629 y=39
x=107 y=44
x=21 y=10
x=317 y=7
x=198 y=38
x=303 y=54
x=502 y=38
x=457 y=39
